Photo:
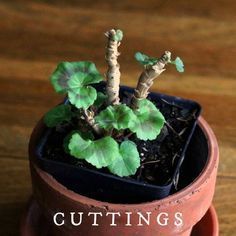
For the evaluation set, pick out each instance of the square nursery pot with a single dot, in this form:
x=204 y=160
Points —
x=111 y=188
x=59 y=187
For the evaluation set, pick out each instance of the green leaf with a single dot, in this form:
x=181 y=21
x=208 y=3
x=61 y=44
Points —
x=83 y=97
x=118 y=36
x=57 y=115
x=149 y=121
x=60 y=77
x=102 y=152
x=144 y=59
x=99 y=153
x=77 y=145
x=178 y=64
x=89 y=68
x=127 y=162
x=140 y=57
x=66 y=70
x=85 y=135
x=101 y=98
x=117 y=116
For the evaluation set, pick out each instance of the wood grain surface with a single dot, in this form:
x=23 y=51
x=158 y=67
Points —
x=36 y=35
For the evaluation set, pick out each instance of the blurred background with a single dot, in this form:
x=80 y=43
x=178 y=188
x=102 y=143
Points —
x=36 y=35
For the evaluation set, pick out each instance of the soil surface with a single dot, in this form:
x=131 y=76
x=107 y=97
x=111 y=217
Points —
x=159 y=157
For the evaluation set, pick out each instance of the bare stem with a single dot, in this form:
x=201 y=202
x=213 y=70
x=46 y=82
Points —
x=147 y=77
x=113 y=72
x=89 y=117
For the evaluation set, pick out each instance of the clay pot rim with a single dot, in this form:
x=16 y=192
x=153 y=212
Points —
x=184 y=194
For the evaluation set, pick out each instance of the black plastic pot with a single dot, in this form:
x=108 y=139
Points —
x=108 y=187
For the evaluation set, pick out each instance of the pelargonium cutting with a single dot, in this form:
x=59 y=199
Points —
x=107 y=117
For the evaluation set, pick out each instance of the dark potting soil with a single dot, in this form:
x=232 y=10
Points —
x=158 y=157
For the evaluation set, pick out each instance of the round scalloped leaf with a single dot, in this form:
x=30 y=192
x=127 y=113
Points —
x=118 y=36
x=102 y=152
x=89 y=68
x=117 y=116
x=127 y=162
x=79 y=80
x=60 y=77
x=77 y=145
x=144 y=59
x=140 y=57
x=149 y=121
x=85 y=135
x=65 y=70
x=99 y=153
x=83 y=97
x=179 y=65
x=57 y=115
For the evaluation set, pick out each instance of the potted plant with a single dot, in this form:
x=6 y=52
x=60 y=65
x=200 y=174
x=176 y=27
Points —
x=103 y=158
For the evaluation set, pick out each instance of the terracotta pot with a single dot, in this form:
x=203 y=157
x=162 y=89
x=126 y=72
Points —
x=192 y=202
x=208 y=225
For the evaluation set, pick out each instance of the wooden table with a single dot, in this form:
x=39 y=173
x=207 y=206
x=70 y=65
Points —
x=36 y=35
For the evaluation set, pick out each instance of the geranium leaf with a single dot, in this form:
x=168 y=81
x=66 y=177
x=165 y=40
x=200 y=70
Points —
x=149 y=120
x=61 y=76
x=66 y=70
x=78 y=81
x=57 y=115
x=102 y=152
x=77 y=145
x=99 y=153
x=178 y=64
x=83 y=97
x=118 y=36
x=117 y=116
x=140 y=57
x=89 y=69
x=85 y=135
x=127 y=162
x=144 y=59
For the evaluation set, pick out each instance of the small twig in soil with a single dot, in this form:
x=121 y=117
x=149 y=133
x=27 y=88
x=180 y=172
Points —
x=144 y=149
x=176 y=181
x=174 y=157
x=168 y=181
x=182 y=131
x=140 y=172
x=184 y=120
x=150 y=162
x=172 y=129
